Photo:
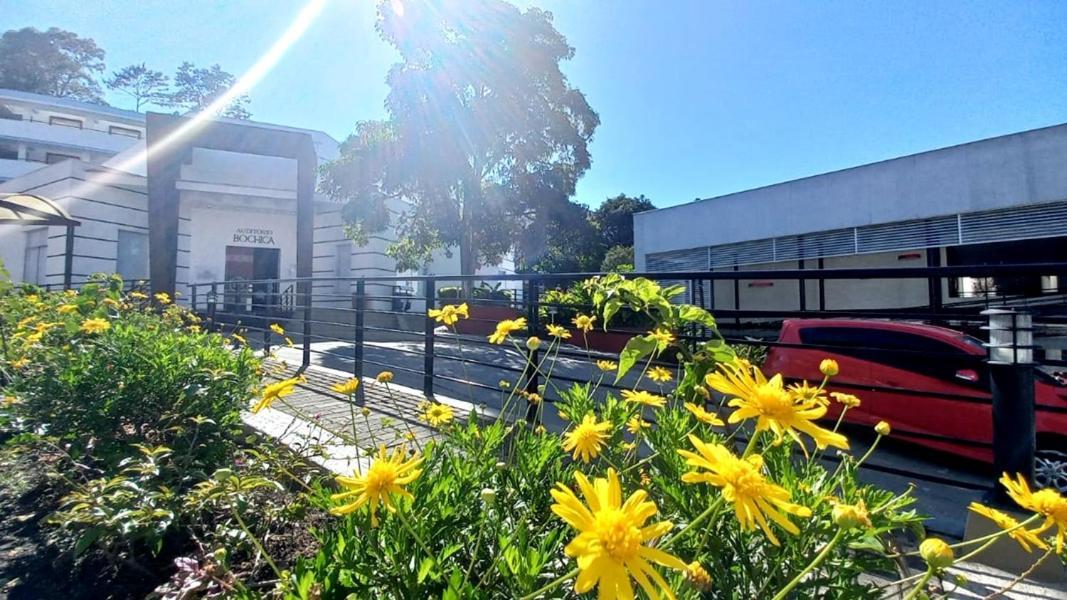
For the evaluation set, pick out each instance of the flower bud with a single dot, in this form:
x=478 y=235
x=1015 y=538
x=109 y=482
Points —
x=698 y=576
x=851 y=516
x=533 y=342
x=828 y=367
x=882 y=428
x=365 y=411
x=488 y=496
x=504 y=384
x=936 y=553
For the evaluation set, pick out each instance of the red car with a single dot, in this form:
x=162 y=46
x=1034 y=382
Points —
x=942 y=402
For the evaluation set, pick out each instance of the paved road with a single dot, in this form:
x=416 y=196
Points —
x=944 y=490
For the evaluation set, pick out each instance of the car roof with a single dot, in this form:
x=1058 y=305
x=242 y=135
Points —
x=882 y=324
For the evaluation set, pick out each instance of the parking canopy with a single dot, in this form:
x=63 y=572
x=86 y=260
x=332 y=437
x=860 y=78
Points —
x=33 y=210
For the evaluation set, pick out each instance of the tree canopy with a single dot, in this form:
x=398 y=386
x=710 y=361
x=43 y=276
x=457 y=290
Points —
x=615 y=218
x=485 y=136
x=196 y=88
x=145 y=86
x=53 y=62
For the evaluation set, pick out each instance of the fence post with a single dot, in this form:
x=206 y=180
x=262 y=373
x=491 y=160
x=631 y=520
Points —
x=1011 y=379
x=192 y=294
x=305 y=295
x=427 y=347
x=212 y=301
x=357 y=350
x=530 y=297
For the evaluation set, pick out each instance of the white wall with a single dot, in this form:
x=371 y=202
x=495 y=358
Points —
x=1017 y=169
x=212 y=229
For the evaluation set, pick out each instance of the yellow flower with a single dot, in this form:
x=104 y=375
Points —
x=533 y=343
x=698 y=576
x=613 y=540
x=384 y=377
x=659 y=374
x=66 y=309
x=138 y=295
x=743 y=484
x=70 y=293
x=559 y=331
x=276 y=328
x=584 y=323
x=1046 y=502
x=385 y=478
x=704 y=416
x=882 y=428
x=449 y=314
x=828 y=367
x=775 y=409
x=194 y=328
x=936 y=553
x=9 y=401
x=844 y=399
x=288 y=341
x=643 y=397
x=162 y=297
x=587 y=438
x=533 y=398
x=663 y=338
x=1025 y=537
x=240 y=338
x=437 y=414
x=111 y=302
x=91 y=326
x=802 y=391
x=33 y=298
x=20 y=364
x=636 y=424
x=347 y=387
x=506 y=328
x=607 y=366
x=274 y=391
x=851 y=516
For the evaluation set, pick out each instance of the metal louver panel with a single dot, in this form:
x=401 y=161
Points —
x=1023 y=222
x=743 y=253
x=693 y=259
x=813 y=245
x=907 y=235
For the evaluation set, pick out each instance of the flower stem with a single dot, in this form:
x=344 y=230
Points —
x=921 y=585
x=552 y=585
x=255 y=542
x=818 y=560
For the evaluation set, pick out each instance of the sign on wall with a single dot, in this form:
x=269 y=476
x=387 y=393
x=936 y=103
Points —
x=251 y=235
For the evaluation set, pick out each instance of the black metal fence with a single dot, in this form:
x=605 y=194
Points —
x=368 y=324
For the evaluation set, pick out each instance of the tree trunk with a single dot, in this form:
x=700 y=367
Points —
x=468 y=247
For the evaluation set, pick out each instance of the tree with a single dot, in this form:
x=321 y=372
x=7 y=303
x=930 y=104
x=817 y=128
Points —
x=618 y=259
x=615 y=218
x=53 y=62
x=196 y=88
x=485 y=135
x=567 y=243
x=142 y=84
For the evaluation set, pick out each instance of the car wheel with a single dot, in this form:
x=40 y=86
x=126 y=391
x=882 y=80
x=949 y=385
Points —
x=1050 y=470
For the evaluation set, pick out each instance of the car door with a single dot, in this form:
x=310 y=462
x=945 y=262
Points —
x=931 y=391
x=844 y=345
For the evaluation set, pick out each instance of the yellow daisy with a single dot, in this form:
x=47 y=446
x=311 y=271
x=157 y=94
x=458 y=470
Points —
x=437 y=414
x=385 y=478
x=846 y=399
x=704 y=416
x=1025 y=537
x=774 y=408
x=276 y=328
x=559 y=331
x=584 y=323
x=92 y=326
x=613 y=541
x=643 y=397
x=1046 y=502
x=162 y=297
x=663 y=338
x=450 y=313
x=384 y=377
x=636 y=425
x=587 y=438
x=607 y=366
x=743 y=485
x=274 y=391
x=65 y=309
x=347 y=387
x=506 y=328
x=659 y=374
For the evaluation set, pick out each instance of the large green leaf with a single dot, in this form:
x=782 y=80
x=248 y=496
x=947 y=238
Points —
x=695 y=314
x=637 y=348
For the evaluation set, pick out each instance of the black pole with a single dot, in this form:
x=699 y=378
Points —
x=68 y=259
x=212 y=302
x=305 y=288
x=533 y=356
x=1014 y=429
x=357 y=350
x=427 y=345
x=802 y=287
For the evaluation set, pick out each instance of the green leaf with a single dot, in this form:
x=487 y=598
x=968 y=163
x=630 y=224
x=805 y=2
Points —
x=424 y=568
x=637 y=348
x=86 y=540
x=695 y=314
x=611 y=307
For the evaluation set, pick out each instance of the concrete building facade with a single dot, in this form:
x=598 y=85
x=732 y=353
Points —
x=1000 y=200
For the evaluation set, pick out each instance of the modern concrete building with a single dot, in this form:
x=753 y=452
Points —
x=996 y=201
x=37 y=130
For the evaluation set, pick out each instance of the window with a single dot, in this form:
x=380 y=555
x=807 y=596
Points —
x=35 y=264
x=55 y=157
x=65 y=122
x=132 y=263
x=342 y=267
x=897 y=349
x=9 y=151
x=126 y=131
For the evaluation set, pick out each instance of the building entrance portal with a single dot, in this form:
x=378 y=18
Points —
x=246 y=268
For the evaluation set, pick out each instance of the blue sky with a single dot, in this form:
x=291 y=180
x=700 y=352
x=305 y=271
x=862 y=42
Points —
x=696 y=99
